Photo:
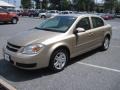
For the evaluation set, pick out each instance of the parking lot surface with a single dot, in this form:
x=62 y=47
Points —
x=95 y=70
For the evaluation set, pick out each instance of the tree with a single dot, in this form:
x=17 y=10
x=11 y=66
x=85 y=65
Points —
x=55 y=4
x=117 y=10
x=43 y=3
x=84 y=5
x=110 y=5
x=64 y=5
x=26 y=4
x=90 y=5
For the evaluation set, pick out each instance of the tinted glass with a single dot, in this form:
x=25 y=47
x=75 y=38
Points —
x=84 y=23
x=97 y=22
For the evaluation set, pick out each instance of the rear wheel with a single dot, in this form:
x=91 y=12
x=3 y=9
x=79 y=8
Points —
x=106 y=43
x=58 y=60
x=14 y=21
x=31 y=15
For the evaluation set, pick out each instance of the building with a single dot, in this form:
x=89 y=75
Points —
x=4 y=4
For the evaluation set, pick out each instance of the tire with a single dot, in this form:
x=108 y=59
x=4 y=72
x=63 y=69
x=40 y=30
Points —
x=106 y=43
x=14 y=21
x=31 y=15
x=58 y=60
x=43 y=16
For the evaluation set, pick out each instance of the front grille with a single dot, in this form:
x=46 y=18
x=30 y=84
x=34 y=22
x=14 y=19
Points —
x=13 y=48
x=26 y=65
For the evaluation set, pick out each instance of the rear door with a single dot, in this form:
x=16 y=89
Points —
x=98 y=31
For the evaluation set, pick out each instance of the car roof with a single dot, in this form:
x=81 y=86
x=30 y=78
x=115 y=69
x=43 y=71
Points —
x=80 y=15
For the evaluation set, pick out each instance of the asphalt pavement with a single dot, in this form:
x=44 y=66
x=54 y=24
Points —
x=95 y=70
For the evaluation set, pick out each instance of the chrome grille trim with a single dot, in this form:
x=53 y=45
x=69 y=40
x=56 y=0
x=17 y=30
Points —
x=13 y=48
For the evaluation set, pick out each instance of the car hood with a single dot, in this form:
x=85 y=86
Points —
x=32 y=36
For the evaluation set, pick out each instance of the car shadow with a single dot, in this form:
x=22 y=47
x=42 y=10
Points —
x=14 y=74
x=83 y=56
x=5 y=23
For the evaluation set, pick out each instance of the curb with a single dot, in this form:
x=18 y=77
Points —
x=6 y=85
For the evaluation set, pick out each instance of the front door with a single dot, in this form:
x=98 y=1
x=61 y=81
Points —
x=84 y=39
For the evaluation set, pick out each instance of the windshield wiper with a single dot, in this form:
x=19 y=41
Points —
x=47 y=29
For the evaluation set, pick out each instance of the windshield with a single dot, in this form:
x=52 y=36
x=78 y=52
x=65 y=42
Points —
x=57 y=24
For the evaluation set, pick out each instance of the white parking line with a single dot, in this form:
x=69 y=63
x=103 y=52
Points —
x=6 y=85
x=100 y=67
x=115 y=46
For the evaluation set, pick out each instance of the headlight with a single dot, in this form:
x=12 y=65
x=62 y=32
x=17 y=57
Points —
x=32 y=49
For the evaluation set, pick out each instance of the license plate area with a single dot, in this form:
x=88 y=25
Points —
x=7 y=57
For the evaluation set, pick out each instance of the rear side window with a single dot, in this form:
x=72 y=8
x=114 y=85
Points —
x=97 y=22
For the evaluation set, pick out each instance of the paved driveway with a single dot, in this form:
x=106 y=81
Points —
x=95 y=70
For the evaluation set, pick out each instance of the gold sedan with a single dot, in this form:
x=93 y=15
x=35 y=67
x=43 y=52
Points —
x=56 y=40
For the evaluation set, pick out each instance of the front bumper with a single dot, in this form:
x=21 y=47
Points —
x=27 y=61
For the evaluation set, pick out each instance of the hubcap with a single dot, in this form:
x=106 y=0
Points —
x=106 y=43
x=60 y=60
x=14 y=21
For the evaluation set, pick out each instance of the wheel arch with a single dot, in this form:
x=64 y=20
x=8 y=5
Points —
x=58 y=46
x=15 y=18
x=107 y=35
x=51 y=65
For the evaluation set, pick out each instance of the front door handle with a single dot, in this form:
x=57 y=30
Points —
x=91 y=34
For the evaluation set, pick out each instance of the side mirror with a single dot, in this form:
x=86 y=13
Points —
x=78 y=30
x=7 y=12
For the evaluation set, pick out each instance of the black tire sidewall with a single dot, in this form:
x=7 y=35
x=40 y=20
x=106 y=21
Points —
x=103 y=47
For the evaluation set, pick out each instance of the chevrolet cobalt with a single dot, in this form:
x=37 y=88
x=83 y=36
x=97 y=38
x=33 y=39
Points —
x=56 y=40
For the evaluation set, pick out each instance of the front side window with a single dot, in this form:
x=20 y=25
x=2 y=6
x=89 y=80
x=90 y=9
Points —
x=97 y=22
x=84 y=23
x=57 y=24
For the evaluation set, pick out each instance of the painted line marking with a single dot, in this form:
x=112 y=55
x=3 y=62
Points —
x=115 y=46
x=100 y=67
x=5 y=84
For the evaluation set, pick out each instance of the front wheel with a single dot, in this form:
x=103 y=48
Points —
x=106 y=43
x=58 y=60
x=43 y=16
x=14 y=21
